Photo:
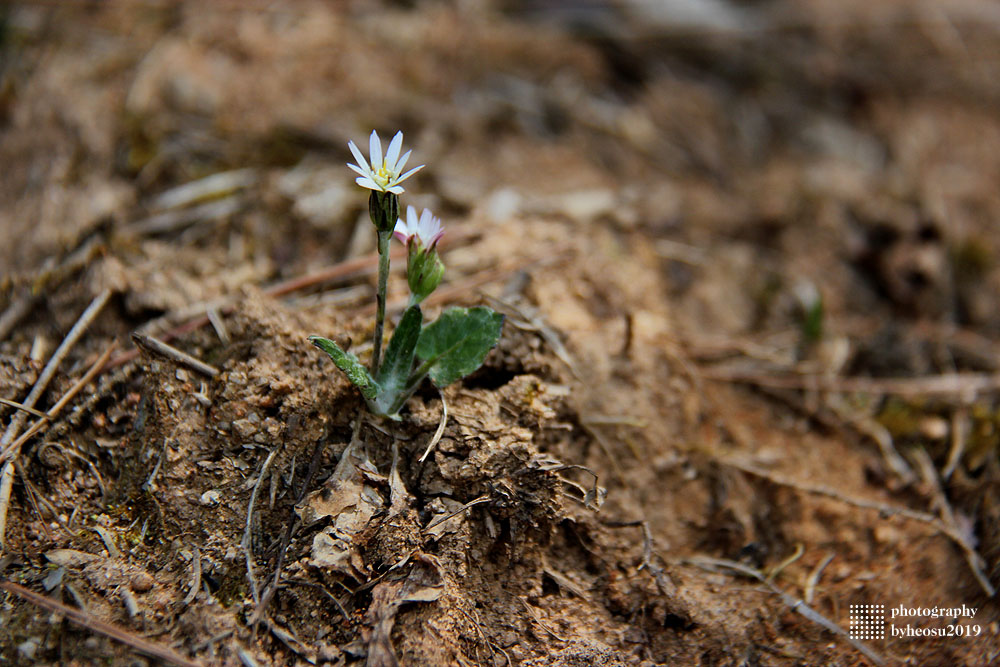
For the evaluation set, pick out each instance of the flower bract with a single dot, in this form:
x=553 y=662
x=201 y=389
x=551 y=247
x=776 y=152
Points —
x=426 y=229
x=383 y=174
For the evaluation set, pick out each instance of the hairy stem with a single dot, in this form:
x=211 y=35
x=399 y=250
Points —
x=383 y=279
x=400 y=400
x=416 y=377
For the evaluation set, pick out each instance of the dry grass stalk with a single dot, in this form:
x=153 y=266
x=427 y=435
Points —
x=88 y=622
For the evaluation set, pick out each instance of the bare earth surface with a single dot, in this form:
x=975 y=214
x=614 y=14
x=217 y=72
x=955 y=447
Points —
x=748 y=377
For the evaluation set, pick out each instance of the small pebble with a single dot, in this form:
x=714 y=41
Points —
x=29 y=648
x=244 y=428
x=142 y=582
x=935 y=428
x=210 y=498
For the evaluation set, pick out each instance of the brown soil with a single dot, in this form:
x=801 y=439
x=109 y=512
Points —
x=654 y=204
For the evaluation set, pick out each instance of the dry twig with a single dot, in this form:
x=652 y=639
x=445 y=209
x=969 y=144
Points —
x=866 y=427
x=471 y=503
x=955 y=531
x=52 y=274
x=959 y=439
x=951 y=529
x=341 y=271
x=797 y=605
x=42 y=383
x=195 y=578
x=659 y=574
x=54 y=411
x=290 y=526
x=17 y=421
x=965 y=386
x=780 y=567
x=213 y=186
x=162 y=349
x=88 y=622
x=880 y=435
x=173 y=220
x=813 y=580
x=883 y=508
x=15 y=312
x=22 y=406
x=247 y=542
x=538 y=619
x=215 y=317
x=490 y=645
x=327 y=593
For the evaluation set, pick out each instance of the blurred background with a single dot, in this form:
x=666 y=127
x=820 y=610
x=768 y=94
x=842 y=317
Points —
x=847 y=148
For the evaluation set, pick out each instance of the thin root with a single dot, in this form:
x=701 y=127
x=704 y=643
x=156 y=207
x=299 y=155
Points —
x=440 y=429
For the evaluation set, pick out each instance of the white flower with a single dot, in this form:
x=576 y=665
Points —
x=426 y=229
x=382 y=175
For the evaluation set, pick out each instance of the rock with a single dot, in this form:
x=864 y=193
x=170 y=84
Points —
x=142 y=582
x=210 y=498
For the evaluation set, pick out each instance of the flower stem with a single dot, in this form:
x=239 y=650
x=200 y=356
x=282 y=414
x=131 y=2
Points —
x=407 y=392
x=383 y=279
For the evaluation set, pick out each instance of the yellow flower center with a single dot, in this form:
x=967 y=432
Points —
x=383 y=175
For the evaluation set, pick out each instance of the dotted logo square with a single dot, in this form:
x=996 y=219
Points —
x=867 y=621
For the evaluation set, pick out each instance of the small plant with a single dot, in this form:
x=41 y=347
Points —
x=445 y=350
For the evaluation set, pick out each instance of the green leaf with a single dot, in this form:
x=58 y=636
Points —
x=398 y=361
x=348 y=363
x=457 y=342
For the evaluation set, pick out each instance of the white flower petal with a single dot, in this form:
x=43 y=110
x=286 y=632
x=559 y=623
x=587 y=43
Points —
x=392 y=154
x=428 y=228
x=382 y=173
x=375 y=151
x=362 y=162
x=402 y=162
x=363 y=172
x=409 y=173
x=431 y=235
x=425 y=220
